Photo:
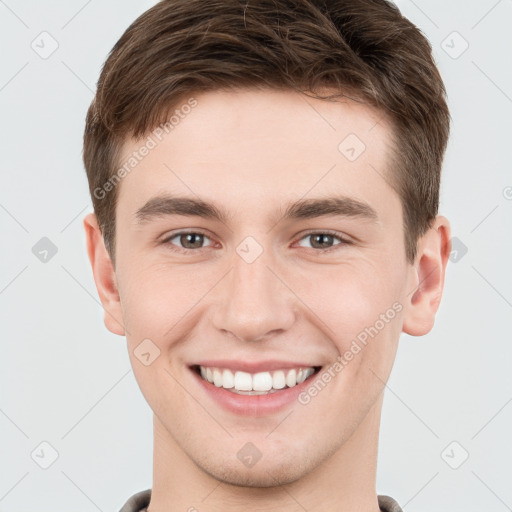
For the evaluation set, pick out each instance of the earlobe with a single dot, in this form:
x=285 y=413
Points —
x=104 y=275
x=429 y=274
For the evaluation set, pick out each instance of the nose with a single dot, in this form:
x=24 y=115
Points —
x=253 y=301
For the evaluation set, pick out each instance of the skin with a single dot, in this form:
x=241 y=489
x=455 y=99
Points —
x=251 y=153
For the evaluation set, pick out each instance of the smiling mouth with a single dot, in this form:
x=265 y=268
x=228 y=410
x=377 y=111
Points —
x=261 y=383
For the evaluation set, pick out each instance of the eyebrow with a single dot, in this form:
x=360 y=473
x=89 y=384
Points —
x=167 y=205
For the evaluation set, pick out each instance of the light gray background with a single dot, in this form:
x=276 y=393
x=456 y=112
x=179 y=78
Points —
x=67 y=381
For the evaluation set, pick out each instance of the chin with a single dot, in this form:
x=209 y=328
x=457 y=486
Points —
x=271 y=470
x=267 y=475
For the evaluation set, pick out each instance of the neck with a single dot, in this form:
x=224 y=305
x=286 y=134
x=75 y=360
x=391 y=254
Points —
x=343 y=482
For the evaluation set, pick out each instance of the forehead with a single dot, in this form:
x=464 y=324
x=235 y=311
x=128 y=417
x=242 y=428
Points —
x=265 y=146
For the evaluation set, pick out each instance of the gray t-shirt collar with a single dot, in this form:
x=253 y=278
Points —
x=139 y=502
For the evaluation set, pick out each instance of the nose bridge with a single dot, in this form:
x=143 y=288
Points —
x=253 y=301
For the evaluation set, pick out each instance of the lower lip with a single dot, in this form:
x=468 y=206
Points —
x=253 y=405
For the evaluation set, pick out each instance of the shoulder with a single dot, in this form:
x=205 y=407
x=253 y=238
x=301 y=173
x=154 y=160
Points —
x=138 y=502
x=388 y=504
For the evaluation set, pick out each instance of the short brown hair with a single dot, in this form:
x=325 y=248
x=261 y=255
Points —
x=363 y=47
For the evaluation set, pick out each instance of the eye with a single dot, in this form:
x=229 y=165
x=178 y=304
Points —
x=189 y=240
x=322 y=240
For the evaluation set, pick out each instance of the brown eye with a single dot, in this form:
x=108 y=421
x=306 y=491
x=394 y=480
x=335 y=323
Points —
x=189 y=240
x=323 y=240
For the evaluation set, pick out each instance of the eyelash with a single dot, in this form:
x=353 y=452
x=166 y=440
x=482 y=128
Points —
x=334 y=234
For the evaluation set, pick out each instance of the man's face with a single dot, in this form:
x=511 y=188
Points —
x=258 y=285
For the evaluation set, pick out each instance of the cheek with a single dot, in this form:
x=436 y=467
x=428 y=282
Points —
x=155 y=298
x=348 y=298
x=360 y=313
x=160 y=307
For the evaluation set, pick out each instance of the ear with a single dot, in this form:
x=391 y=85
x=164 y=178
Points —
x=428 y=278
x=104 y=276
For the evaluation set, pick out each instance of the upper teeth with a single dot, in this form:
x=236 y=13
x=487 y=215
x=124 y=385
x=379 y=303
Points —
x=263 y=381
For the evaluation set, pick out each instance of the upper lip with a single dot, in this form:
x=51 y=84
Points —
x=254 y=366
